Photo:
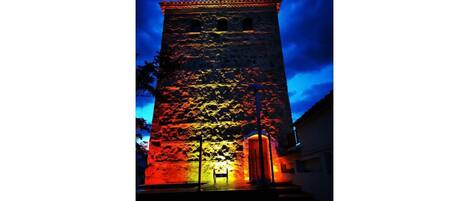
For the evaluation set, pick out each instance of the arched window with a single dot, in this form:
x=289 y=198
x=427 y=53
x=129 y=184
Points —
x=196 y=26
x=222 y=25
x=247 y=24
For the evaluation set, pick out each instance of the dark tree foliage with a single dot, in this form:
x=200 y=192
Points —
x=142 y=153
x=141 y=126
x=146 y=78
x=163 y=64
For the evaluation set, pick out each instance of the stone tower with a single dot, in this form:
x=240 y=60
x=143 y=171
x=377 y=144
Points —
x=222 y=47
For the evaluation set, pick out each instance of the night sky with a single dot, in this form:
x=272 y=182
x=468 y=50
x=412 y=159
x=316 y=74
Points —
x=306 y=32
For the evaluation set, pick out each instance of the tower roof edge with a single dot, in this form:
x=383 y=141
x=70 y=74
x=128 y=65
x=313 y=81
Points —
x=185 y=4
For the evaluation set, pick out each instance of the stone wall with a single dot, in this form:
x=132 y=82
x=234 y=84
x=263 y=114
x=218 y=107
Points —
x=209 y=95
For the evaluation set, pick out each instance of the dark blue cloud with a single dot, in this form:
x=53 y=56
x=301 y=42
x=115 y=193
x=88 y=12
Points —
x=307 y=34
x=149 y=27
x=310 y=96
x=142 y=101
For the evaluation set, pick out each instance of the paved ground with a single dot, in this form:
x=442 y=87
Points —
x=221 y=192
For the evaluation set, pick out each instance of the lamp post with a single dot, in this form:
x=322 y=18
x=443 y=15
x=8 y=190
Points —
x=200 y=161
x=271 y=160
x=257 y=88
x=257 y=94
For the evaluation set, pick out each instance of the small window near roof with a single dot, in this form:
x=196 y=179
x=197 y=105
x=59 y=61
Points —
x=247 y=24
x=196 y=26
x=222 y=25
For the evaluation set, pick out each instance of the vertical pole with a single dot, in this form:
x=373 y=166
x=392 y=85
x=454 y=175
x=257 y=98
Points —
x=271 y=160
x=200 y=160
x=259 y=134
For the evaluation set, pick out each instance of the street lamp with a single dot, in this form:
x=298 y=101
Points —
x=257 y=88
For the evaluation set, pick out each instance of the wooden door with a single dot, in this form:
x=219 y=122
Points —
x=254 y=160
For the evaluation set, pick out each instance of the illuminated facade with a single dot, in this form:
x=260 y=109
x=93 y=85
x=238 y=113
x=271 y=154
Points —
x=223 y=47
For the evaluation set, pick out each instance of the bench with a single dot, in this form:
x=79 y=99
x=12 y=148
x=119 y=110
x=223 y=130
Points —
x=215 y=175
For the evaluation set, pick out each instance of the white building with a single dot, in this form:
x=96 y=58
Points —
x=311 y=157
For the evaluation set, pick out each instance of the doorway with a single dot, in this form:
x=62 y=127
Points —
x=254 y=159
